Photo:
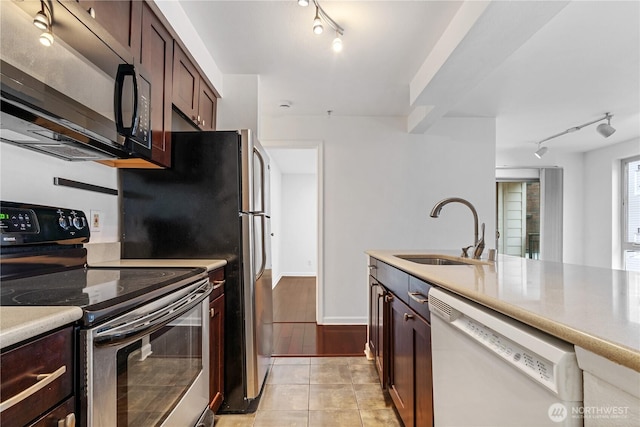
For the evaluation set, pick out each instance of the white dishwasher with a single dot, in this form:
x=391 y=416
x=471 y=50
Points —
x=490 y=370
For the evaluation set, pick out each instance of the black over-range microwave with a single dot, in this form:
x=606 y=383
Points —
x=78 y=99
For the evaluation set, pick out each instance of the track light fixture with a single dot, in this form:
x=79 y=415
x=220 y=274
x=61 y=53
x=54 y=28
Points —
x=604 y=129
x=43 y=20
x=322 y=18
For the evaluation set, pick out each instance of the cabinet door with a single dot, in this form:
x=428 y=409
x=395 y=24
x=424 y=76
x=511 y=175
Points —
x=216 y=351
x=410 y=364
x=207 y=102
x=186 y=84
x=157 y=58
x=121 y=19
x=377 y=331
x=401 y=361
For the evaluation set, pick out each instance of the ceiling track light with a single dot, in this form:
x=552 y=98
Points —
x=604 y=129
x=44 y=21
x=322 y=17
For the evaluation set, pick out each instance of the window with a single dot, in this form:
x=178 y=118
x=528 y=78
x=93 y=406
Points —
x=631 y=209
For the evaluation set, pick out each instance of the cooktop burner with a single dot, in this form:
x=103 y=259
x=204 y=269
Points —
x=101 y=292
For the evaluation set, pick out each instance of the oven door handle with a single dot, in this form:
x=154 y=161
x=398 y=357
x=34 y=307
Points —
x=153 y=321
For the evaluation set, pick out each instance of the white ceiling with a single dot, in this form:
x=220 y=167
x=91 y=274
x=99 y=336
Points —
x=537 y=73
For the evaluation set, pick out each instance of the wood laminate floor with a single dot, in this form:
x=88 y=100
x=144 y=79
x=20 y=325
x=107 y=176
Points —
x=295 y=330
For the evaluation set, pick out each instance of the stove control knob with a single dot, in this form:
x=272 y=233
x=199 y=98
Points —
x=79 y=222
x=63 y=223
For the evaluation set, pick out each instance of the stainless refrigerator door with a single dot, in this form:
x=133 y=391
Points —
x=257 y=302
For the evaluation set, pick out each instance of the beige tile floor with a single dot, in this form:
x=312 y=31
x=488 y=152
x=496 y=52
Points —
x=318 y=392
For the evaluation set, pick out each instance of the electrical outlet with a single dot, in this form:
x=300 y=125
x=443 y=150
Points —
x=95 y=219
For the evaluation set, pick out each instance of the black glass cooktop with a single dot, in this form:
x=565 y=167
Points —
x=102 y=293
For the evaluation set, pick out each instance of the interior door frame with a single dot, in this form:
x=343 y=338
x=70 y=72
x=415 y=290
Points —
x=318 y=146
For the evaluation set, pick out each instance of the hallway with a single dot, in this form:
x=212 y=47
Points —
x=295 y=330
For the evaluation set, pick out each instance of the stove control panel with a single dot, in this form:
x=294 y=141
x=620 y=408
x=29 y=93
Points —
x=25 y=224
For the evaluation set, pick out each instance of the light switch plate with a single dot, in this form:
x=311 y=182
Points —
x=95 y=220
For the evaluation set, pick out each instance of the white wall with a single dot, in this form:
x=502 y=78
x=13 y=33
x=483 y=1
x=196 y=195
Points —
x=299 y=230
x=239 y=107
x=26 y=176
x=380 y=184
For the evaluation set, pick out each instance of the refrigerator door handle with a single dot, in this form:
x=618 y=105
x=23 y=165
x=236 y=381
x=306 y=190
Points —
x=263 y=261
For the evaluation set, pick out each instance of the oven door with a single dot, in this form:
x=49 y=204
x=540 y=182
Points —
x=149 y=367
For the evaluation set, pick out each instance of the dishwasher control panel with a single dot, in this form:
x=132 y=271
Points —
x=534 y=365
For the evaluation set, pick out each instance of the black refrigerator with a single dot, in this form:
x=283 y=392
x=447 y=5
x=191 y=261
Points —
x=213 y=203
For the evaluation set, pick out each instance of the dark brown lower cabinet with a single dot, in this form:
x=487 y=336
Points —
x=410 y=378
x=39 y=375
x=378 y=335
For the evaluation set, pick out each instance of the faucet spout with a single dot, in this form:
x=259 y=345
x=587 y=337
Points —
x=478 y=244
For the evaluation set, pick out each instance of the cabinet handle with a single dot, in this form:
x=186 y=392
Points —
x=217 y=284
x=203 y=125
x=388 y=298
x=92 y=12
x=68 y=421
x=43 y=381
x=414 y=296
x=408 y=316
x=212 y=312
x=372 y=267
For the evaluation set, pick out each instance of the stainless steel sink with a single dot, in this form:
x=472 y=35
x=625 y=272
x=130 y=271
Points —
x=433 y=260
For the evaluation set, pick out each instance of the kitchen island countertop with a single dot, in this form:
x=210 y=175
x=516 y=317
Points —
x=595 y=308
x=22 y=323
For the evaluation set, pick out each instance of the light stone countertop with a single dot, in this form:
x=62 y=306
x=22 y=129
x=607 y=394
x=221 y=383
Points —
x=209 y=264
x=22 y=323
x=595 y=308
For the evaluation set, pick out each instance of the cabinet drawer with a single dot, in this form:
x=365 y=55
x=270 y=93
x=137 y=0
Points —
x=217 y=278
x=397 y=281
x=65 y=410
x=419 y=297
x=21 y=368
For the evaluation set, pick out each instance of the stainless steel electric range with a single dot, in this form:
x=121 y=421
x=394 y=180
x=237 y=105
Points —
x=143 y=358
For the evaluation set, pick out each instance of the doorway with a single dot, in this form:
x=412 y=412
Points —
x=518 y=215
x=529 y=212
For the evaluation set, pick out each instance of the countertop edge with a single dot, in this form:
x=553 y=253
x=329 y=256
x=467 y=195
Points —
x=209 y=264
x=612 y=351
x=19 y=324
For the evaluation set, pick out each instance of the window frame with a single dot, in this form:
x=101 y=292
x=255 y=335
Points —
x=626 y=245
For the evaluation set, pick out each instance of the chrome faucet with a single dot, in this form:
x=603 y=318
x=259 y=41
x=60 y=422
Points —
x=478 y=244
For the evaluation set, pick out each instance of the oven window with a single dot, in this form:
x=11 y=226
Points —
x=155 y=371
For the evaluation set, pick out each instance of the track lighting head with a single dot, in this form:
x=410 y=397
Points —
x=541 y=151
x=41 y=21
x=605 y=129
x=317 y=24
